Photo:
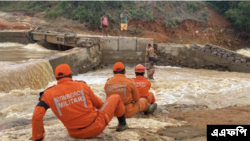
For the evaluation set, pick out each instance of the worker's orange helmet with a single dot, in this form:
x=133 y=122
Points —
x=62 y=70
x=139 y=68
x=118 y=66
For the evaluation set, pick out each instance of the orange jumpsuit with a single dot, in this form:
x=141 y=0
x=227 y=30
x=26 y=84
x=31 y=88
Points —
x=143 y=85
x=75 y=104
x=128 y=92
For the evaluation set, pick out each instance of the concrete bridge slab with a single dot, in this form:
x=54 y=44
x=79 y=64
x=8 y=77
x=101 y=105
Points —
x=110 y=57
x=127 y=44
x=109 y=44
x=142 y=43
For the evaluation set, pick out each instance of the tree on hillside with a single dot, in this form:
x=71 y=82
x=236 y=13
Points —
x=237 y=12
x=223 y=6
x=240 y=16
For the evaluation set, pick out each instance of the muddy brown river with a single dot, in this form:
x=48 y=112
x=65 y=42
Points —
x=19 y=52
x=172 y=85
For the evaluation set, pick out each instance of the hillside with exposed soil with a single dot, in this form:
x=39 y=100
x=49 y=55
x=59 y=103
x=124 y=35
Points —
x=217 y=30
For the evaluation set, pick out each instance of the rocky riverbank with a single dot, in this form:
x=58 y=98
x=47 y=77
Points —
x=224 y=53
x=202 y=57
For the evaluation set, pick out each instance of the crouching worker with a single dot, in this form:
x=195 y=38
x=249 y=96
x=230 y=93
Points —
x=128 y=92
x=143 y=84
x=75 y=104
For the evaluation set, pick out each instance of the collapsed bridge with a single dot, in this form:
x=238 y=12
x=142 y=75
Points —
x=86 y=52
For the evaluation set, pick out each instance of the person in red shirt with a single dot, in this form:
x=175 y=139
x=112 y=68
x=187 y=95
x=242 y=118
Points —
x=128 y=92
x=143 y=84
x=105 y=23
x=73 y=102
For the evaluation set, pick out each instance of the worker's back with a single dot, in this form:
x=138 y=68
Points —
x=123 y=86
x=143 y=85
x=71 y=101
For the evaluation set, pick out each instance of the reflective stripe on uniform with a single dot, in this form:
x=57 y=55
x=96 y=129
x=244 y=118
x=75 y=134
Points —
x=119 y=86
x=108 y=90
x=84 y=99
x=104 y=105
x=140 y=100
x=58 y=108
x=149 y=96
x=125 y=87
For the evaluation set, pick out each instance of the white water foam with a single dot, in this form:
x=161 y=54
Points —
x=8 y=44
x=161 y=67
x=245 y=51
x=36 y=47
x=92 y=78
x=30 y=46
x=172 y=86
x=185 y=86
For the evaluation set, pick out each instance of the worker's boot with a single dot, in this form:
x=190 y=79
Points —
x=122 y=124
x=151 y=109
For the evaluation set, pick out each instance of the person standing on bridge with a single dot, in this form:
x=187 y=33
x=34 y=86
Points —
x=124 y=21
x=105 y=23
x=128 y=92
x=73 y=102
x=143 y=84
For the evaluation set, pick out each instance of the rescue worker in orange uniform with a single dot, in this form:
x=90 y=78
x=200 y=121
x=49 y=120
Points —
x=143 y=84
x=73 y=102
x=128 y=92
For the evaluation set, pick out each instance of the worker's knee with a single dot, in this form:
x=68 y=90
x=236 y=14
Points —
x=114 y=97
x=150 y=98
x=133 y=108
x=115 y=106
x=143 y=104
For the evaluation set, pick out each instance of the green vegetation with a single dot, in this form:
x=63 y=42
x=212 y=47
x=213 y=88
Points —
x=171 y=23
x=83 y=11
x=237 y=12
x=223 y=6
x=30 y=6
x=240 y=16
x=205 y=15
x=141 y=14
x=194 y=6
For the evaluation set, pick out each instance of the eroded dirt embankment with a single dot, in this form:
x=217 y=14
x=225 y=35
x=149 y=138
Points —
x=217 y=30
x=4 y=25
